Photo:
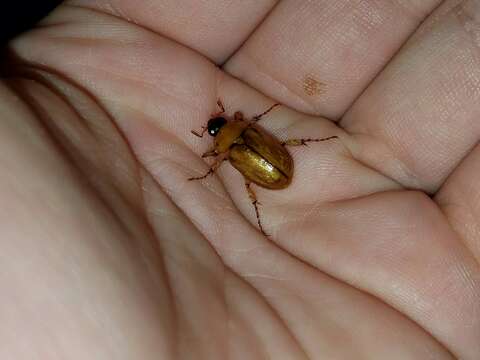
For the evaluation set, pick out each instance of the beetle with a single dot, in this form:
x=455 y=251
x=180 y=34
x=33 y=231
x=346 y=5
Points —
x=257 y=155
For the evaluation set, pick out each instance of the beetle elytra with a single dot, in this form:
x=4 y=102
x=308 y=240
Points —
x=257 y=155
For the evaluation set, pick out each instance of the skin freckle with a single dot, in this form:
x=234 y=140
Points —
x=312 y=86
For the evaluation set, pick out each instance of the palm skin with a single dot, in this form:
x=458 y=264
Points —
x=109 y=252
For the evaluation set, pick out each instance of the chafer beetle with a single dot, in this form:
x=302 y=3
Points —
x=259 y=156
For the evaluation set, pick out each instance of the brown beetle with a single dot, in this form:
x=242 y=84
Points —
x=259 y=156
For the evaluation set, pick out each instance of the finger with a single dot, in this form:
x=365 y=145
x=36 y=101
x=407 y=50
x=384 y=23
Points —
x=318 y=56
x=213 y=28
x=420 y=116
x=459 y=199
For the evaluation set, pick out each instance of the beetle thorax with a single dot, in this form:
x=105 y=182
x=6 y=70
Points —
x=229 y=134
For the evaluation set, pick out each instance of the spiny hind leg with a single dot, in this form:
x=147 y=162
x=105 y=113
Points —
x=299 y=142
x=255 y=203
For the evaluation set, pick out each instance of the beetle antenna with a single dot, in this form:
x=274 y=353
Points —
x=259 y=116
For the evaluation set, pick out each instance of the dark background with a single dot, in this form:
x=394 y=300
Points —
x=19 y=16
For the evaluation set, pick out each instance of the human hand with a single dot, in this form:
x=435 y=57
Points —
x=109 y=252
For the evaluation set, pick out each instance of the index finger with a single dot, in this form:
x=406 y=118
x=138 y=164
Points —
x=214 y=28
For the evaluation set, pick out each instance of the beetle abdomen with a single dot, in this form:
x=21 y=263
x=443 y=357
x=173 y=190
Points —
x=257 y=168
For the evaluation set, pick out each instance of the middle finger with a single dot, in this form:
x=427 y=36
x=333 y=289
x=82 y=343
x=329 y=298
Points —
x=318 y=56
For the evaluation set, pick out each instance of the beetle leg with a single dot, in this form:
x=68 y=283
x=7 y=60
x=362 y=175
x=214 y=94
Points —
x=220 y=105
x=298 y=142
x=209 y=153
x=222 y=109
x=238 y=116
x=218 y=161
x=259 y=116
x=255 y=204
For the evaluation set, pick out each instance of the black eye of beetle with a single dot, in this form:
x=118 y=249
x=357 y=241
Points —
x=215 y=124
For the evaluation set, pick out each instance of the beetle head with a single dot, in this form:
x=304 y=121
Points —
x=215 y=124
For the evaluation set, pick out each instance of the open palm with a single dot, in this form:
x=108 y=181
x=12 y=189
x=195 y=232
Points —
x=109 y=252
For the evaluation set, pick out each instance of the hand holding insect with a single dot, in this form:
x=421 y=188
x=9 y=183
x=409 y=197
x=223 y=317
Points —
x=108 y=252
